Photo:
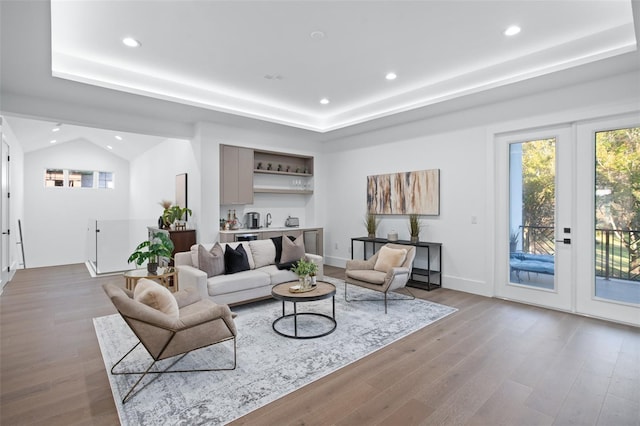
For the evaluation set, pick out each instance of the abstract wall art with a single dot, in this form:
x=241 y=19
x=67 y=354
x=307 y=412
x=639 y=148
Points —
x=404 y=193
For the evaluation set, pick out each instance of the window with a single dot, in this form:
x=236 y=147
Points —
x=105 y=180
x=54 y=177
x=78 y=179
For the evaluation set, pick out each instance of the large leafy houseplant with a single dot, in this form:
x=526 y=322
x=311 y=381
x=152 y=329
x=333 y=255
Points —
x=174 y=213
x=160 y=245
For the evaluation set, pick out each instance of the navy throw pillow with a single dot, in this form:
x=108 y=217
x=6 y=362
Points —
x=235 y=260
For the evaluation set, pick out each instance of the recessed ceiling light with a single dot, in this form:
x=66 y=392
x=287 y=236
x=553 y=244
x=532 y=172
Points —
x=52 y=141
x=512 y=30
x=109 y=146
x=118 y=137
x=324 y=101
x=317 y=35
x=391 y=76
x=55 y=129
x=131 y=42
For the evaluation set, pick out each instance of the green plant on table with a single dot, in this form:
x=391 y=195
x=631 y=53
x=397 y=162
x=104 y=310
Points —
x=415 y=225
x=160 y=245
x=305 y=268
x=371 y=222
x=175 y=213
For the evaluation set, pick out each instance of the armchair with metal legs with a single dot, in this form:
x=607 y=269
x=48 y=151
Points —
x=363 y=274
x=200 y=323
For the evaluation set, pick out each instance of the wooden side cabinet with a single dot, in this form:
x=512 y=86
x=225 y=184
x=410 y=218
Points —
x=236 y=175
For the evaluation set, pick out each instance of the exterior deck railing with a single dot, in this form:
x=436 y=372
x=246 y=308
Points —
x=617 y=250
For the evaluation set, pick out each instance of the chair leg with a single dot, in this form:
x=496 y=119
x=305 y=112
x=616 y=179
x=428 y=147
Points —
x=375 y=300
x=130 y=393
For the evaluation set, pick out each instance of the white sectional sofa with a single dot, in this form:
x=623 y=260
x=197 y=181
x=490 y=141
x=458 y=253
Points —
x=240 y=287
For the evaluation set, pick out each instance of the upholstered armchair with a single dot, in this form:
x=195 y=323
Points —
x=387 y=270
x=169 y=324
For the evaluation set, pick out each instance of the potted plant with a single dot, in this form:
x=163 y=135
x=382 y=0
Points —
x=513 y=241
x=371 y=222
x=151 y=251
x=305 y=270
x=415 y=225
x=173 y=214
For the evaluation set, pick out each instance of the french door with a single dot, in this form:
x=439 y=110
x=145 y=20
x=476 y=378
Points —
x=567 y=215
x=608 y=226
x=534 y=249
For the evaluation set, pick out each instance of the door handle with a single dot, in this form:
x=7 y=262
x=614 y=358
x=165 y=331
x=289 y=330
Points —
x=565 y=241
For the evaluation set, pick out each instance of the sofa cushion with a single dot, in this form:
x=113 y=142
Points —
x=223 y=284
x=156 y=296
x=263 y=252
x=389 y=258
x=292 y=250
x=209 y=246
x=211 y=261
x=277 y=275
x=235 y=260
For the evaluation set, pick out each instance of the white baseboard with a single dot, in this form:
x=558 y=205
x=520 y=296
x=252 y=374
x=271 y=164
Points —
x=480 y=288
x=466 y=285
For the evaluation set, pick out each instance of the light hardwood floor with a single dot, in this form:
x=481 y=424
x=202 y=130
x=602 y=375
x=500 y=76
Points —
x=492 y=362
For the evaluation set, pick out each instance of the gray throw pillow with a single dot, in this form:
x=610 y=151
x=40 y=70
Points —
x=211 y=262
x=292 y=250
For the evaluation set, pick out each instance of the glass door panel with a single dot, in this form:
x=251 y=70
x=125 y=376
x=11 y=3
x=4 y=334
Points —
x=617 y=215
x=532 y=194
x=608 y=253
x=534 y=211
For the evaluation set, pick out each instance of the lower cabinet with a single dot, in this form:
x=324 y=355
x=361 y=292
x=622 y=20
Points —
x=313 y=237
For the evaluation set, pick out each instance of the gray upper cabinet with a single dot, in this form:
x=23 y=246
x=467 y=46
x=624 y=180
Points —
x=236 y=175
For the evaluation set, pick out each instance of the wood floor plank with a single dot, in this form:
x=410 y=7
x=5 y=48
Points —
x=492 y=362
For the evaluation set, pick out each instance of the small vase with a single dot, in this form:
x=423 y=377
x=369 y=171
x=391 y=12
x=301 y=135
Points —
x=305 y=282
x=414 y=240
x=372 y=235
x=152 y=268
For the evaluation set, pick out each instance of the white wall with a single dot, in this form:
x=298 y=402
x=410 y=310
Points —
x=56 y=219
x=16 y=203
x=460 y=144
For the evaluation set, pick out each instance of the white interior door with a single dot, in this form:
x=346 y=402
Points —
x=608 y=239
x=534 y=217
x=5 y=262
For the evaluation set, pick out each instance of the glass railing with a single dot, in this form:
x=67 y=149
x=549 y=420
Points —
x=110 y=242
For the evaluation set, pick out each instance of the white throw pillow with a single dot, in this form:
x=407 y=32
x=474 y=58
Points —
x=389 y=258
x=263 y=251
x=156 y=296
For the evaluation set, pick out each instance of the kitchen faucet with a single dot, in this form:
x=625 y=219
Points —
x=267 y=220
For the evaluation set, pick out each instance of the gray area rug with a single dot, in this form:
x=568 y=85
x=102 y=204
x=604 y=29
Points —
x=269 y=366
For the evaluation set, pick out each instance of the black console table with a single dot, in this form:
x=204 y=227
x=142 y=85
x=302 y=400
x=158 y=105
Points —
x=433 y=276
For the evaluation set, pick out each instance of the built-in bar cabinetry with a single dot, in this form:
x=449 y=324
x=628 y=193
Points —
x=245 y=172
x=236 y=175
x=313 y=237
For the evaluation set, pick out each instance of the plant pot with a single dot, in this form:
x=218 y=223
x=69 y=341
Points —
x=372 y=235
x=305 y=282
x=414 y=240
x=152 y=268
